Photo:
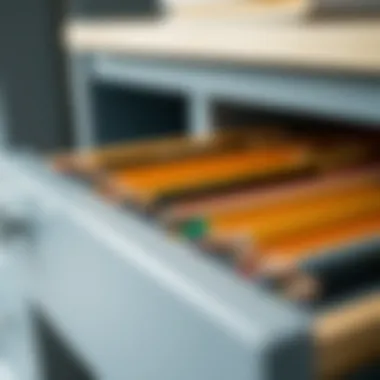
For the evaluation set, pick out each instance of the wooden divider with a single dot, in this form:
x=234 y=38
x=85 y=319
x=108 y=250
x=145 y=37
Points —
x=347 y=338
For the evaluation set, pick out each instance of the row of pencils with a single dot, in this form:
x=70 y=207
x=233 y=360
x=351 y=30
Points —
x=264 y=197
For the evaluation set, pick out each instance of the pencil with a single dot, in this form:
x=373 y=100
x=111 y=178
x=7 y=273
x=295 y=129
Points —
x=294 y=249
x=253 y=198
x=223 y=171
x=93 y=162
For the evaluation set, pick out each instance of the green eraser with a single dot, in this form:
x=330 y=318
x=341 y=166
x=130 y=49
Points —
x=194 y=229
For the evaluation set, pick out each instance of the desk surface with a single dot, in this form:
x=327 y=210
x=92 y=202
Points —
x=343 y=45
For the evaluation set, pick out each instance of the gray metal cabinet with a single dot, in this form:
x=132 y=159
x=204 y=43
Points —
x=130 y=303
x=133 y=305
x=18 y=354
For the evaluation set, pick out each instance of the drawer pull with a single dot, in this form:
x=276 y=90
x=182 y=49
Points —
x=15 y=221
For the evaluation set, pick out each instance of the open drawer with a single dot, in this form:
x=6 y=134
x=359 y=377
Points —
x=132 y=303
x=346 y=317
x=318 y=212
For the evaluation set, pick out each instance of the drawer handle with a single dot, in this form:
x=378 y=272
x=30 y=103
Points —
x=15 y=221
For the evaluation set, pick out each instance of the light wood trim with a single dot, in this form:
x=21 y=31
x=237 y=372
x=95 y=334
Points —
x=349 y=45
x=347 y=338
x=227 y=9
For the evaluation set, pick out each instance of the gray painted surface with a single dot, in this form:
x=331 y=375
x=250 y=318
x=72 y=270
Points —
x=104 y=113
x=200 y=114
x=341 y=96
x=33 y=73
x=134 y=305
x=335 y=96
x=18 y=351
x=18 y=343
x=81 y=100
x=3 y=117
x=114 y=8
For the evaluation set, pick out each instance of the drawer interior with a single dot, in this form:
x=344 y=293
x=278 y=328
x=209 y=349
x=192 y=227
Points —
x=351 y=273
x=116 y=108
x=285 y=205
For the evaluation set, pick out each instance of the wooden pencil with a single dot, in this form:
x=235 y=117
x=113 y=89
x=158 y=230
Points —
x=293 y=249
x=255 y=198
x=296 y=214
x=331 y=237
x=93 y=162
x=250 y=237
x=223 y=171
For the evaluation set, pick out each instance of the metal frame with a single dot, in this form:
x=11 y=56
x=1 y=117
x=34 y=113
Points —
x=120 y=293
x=132 y=304
x=124 y=296
x=339 y=96
x=261 y=351
x=18 y=352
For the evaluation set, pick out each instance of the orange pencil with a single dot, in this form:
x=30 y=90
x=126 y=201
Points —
x=252 y=198
x=249 y=236
x=152 y=184
x=292 y=249
x=96 y=161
